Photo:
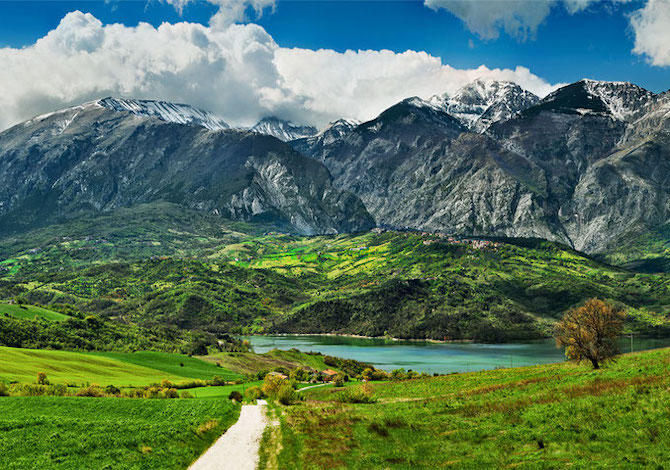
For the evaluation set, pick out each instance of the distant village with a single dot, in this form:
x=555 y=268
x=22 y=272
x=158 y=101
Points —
x=475 y=243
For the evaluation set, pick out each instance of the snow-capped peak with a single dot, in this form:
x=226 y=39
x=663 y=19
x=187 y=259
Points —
x=482 y=102
x=166 y=111
x=623 y=100
x=339 y=125
x=335 y=130
x=283 y=130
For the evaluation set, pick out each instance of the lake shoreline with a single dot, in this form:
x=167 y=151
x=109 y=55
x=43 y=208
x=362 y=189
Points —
x=429 y=356
x=391 y=338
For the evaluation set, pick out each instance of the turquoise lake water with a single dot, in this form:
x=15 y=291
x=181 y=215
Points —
x=433 y=357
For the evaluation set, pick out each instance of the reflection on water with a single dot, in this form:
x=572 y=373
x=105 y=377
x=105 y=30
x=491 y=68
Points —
x=433 y=357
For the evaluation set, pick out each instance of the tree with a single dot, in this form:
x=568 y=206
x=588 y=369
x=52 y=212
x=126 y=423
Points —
x=338 y=380
x=235 y=395
x=42 y=378
x=590 y=332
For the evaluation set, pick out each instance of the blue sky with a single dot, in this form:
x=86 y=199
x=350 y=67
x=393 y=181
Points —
x=596 y=43
x=315 y=61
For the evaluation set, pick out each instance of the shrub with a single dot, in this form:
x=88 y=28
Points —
x=235 y=395
x=338 y=381
x=35 y=390
x=287 y=395
x=112 y=390
x=3 y=390
x=272 y=384
x=90 y=391
x=190 y=384
x=42 y=378
x=186 y=394
x=380 y=375
x=357 y=395
x=170 y=393
x=152 y=392
x=299 y=374
x=218 y=380
x=254 y=393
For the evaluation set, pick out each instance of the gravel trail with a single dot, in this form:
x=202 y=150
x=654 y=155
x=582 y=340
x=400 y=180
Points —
x=238 y=448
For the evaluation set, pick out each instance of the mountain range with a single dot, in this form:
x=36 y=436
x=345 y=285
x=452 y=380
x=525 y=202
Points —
x=588 y=165
x=112 y=153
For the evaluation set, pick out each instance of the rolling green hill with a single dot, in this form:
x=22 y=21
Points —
x=125 y=370
x=31 y=311
x=400 y=284
x=174 y=364
x=549 y=416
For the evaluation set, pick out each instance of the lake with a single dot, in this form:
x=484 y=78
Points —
x=431 y=357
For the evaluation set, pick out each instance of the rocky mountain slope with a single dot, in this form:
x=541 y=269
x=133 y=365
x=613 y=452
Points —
x=166 y=111
x=283 y=130
x=586 y=165
x=118 y=153
x=483 y=102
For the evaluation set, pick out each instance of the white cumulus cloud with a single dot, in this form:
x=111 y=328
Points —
x=237 y=71
x=651 y=26
x=517 y=18
x=486 y=18
x=229 y=11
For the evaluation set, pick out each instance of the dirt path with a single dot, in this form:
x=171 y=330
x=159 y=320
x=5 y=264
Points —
x=311 y=386
x=237 y=449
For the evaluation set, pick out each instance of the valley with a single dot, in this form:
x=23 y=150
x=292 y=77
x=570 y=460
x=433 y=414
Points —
x=146 y=248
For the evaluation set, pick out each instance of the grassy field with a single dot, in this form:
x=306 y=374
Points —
x=174 y=364
x=30 y=312
x=550 y=416
x=108 y=433
x=120 y=369
x=221 y=391
x=22 y=365
x=143 y=367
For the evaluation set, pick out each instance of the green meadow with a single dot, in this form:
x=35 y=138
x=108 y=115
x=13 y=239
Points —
x=222 y=391
x=552 y=416
x=31 y=311
x=173 y=364
x=108 y=433
x=120 y=369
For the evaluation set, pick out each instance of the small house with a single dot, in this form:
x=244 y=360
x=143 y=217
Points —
x=328 y=375
x=278 y=374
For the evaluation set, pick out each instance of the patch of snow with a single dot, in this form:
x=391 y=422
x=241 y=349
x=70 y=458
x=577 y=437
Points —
x=623 y=100
x=283 y=130
x=166 y=111
x=483 y=102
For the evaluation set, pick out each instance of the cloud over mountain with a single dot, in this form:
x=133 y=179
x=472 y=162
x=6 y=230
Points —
x=651 y=25
x=235 y=70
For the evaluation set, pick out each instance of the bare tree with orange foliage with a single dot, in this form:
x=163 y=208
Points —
x=590 y=332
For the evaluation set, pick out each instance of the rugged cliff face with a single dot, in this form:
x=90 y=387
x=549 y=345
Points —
x=95 y=158
x=586 y=165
